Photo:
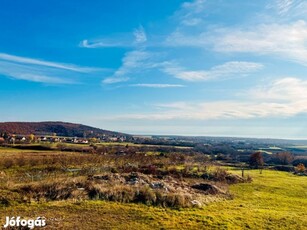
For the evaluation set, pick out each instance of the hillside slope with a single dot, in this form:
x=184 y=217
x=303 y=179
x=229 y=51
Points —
x=60 y=128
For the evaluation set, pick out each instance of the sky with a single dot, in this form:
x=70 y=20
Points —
x=176 y=67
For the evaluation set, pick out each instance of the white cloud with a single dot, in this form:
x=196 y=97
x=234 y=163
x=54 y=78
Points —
x=286 y=89
x=31 y=73
x=224 y=71
x=281 y=98
x=279 y=31
x=115 y=79
x=284 y=6
x=140 y=35
x=191 y=21
x=40 y=78
x=131 y=63
x=191 y=13
x=158 y=85
x=177 y=39
x=134 y=39
x=286 y=41
x=101 y=43
x=299 y=10
x=288 y=8
x=195 y=6
x=31 y=61
x=36 y=70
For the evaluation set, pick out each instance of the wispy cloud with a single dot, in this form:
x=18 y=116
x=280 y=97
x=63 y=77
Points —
x=283 y=6
x=36 y=70
x=287 y=7
x=140 y=35
x=131 y=64
x=191 y=13
x=286 y=89
x=32 y=73
x=281 y=98
x=158 y=85
x=102 y=43
x=220 y=72
x=193 y=7
x=137 y=38
x=287 y=41
x=31 y=61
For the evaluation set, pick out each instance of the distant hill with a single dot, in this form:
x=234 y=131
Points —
x=60 y=128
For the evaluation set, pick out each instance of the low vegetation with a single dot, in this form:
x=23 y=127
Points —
x=148 y=187
x=172 y=180
x=274 y=200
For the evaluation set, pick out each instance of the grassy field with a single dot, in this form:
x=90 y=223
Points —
x=274 y=200
x=140 y=145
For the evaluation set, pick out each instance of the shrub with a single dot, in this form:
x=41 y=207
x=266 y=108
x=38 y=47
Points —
x=300 y=168
x=299 y=160
x=8 y=163
x=21 y=161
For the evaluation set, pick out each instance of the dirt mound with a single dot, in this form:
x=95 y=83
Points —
x=208 y=188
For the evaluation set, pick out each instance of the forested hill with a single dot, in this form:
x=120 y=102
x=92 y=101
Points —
x=59 y=128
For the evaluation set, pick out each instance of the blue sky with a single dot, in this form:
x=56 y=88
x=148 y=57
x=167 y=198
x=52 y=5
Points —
x=201 y=67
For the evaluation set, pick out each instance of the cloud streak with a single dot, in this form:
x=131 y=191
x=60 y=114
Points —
x=137 y=38
x=36 y=70
x=157 y=85
x=31 y=61
x=288 y=8
x=281 y=98
x=220 y=72
x=32 y=73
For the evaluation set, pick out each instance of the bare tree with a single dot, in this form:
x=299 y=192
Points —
x=256 y=161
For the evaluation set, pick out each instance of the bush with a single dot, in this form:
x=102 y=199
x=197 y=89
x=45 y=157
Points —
x=8 y=163
x=284 y=168
x=21 y=161
x=300 y=160
x=300 y=168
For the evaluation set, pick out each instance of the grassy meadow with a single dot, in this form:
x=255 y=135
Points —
x=273 y=200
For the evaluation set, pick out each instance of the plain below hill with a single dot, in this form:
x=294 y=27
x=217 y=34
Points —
x=59 y=128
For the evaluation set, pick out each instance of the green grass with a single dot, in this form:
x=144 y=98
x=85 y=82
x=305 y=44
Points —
x=274 y=200
x=140 y=145
x=13 y=150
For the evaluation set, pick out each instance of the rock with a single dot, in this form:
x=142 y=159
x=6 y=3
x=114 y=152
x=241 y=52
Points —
x=133 y=178
x=196 y=203
x=2 y=174
x=157 y=185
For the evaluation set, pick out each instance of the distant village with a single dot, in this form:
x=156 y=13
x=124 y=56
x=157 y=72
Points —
x=53 y=138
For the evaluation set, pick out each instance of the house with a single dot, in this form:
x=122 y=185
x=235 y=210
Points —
x=84 y=141
x=113 y=138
